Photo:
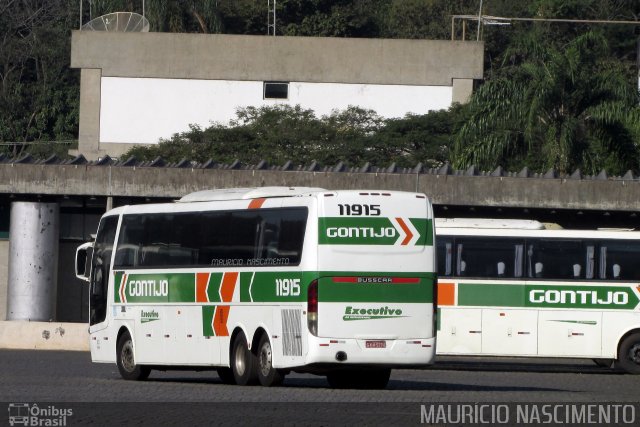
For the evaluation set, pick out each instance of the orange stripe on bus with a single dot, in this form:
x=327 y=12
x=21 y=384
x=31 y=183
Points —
x=228 y=285
x=202 y=279
x=408 y=232
x=256 y=203
x=123 y=285
x=446 y=294
x=220 y=321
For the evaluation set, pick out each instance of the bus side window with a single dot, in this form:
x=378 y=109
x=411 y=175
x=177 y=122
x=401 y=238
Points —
x=461 y=266
x=619 y=259
x=555 y=258
x=517 y=262
x=616 y=271
x=539 y=269
x=602 y=273
x=590 y=263
x=577 y=270
x=500 y=268
x=488 y=257
x=444 y=248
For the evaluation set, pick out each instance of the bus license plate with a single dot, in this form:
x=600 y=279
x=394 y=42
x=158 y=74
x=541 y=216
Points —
x=376 y=344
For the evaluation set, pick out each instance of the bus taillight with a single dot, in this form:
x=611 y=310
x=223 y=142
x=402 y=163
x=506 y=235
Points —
x=312 y=308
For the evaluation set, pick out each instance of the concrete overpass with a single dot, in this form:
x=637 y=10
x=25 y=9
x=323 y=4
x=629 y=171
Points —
x=52 y=178
x=82 y=190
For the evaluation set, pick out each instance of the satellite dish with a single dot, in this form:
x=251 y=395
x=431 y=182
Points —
x=123 y=22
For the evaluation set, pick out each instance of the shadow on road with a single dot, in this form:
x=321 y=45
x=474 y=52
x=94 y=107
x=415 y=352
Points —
x=522 y=365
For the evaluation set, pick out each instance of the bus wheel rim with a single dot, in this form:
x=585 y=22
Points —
x=239 y=361
x=265 y=359
x=634 y=354
x=128 y=363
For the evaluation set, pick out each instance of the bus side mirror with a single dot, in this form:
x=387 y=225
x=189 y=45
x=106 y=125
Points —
x=83 y=258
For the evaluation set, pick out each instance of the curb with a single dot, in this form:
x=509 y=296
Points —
x=26 y=335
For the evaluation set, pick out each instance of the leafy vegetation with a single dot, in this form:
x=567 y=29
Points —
x=282 y=133
x=556 y=95
x=567 y=108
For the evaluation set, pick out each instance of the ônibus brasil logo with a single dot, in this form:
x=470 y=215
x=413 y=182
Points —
x=369 y=313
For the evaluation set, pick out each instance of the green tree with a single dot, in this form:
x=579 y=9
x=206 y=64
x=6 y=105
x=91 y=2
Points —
x=414 y=139
x=563 y=107
x=183 y=16
x=281 y=133
x=38 y=91
x=424 y=19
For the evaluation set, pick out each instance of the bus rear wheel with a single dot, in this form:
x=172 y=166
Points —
x=629 y=354
x=243 y=362
x=126 y=362
x=267 y=374
x=359 y=379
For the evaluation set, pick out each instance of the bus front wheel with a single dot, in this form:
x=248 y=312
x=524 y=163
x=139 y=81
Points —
x=243 y=361
x=126 y=362
x=629 y=354
x=267 y=374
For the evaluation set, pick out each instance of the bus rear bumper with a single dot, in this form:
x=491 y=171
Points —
x=393 y=353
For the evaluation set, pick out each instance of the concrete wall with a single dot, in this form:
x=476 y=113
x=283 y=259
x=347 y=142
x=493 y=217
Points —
x=454 y=190
x=246 y=58
x=44 y=336
x=302 y=60
x=4 y=277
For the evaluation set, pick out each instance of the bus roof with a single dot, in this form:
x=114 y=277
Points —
x=489 y=223
x=523 y=228
x=247 y=193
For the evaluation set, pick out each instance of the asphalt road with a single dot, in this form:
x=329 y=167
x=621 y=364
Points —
x=69 y=379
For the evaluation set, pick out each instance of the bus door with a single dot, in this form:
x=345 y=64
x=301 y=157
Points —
x=100 y=281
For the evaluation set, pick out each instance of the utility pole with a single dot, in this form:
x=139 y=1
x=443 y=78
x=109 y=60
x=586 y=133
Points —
x=638 y=55
x=271 y=17
x=479 y=21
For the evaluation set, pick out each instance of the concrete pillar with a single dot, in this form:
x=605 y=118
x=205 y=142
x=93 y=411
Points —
x=33 y=261
x=4 y=276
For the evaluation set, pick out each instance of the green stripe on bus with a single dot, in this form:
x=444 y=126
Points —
x=425 y=228
x=370 y=231
x=490 y=295
x=213 y=290
x=157 y=287
x=207 y=320
x=279 y=286
x=547 y=296
x=270 y=286
x=245 y=283
x=332 y=291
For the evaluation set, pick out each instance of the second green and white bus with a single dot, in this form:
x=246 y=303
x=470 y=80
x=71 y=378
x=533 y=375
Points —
x=517 y=288
x=259 y=282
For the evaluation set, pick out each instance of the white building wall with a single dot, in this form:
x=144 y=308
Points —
x=143 y=110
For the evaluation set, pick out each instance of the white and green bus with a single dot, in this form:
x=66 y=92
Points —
x=519 y=288
x=259 y=282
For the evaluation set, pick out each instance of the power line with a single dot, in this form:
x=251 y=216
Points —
x=501 y=20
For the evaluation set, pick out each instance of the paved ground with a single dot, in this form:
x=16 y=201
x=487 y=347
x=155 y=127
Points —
x=49 y=377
